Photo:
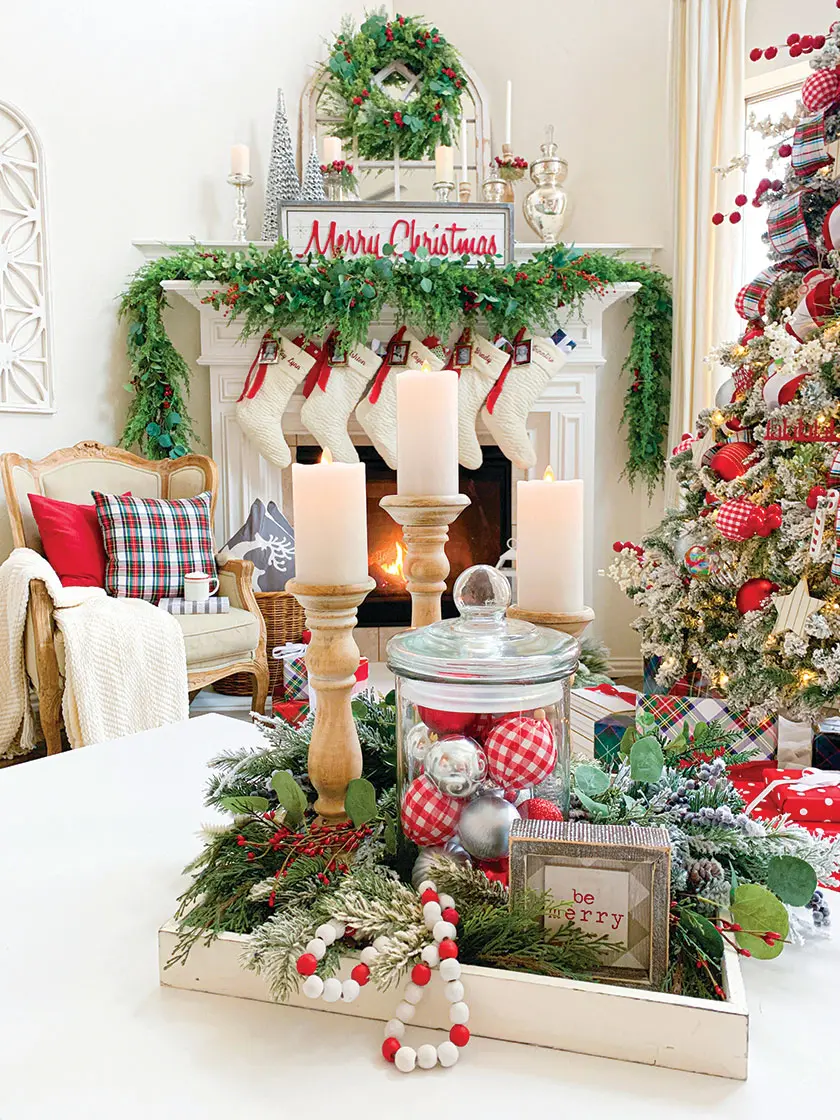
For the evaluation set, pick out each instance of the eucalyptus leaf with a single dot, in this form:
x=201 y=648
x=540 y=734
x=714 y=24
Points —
x=290 y=795
x=391 y=698
x=358 y=709
x=387 y=249
x=368 y=291
x=165 y=440
x=360 y=801
x=426 y=284
x=756 y=908
x=791 y=879
x=627 y=741
x=422 y=252
x=595 y=809
x=703 y=932
x=243 y=804
x=646 y=760
x=152 y=429
x=591 y=780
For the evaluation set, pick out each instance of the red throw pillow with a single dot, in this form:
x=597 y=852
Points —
x=72 y=540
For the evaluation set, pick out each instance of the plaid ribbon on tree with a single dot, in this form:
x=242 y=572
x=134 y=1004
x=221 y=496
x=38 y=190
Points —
x=834 y=468
x=521 y=751
x=752 y=298
x=151 y=544
x=428 y=816
x=809 y=153
x=744 y=378
x=786 y=225
x=672 y=712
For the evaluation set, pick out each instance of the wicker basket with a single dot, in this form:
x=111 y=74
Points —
x=284 y=622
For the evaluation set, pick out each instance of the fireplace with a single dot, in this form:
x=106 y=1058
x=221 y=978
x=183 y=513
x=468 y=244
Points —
x=478 y=536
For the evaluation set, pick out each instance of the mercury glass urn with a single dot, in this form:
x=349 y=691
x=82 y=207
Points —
x=545 y=206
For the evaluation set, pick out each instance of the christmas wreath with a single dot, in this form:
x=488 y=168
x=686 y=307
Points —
x=378 y=122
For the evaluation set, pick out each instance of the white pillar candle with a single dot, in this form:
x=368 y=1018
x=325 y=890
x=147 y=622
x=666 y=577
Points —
x=240 y=160
x=464 y=160
x=549 y=545
x=332 y=149
x=444 y=164
x=508 y=110
x=330 y=511
x=427 y=432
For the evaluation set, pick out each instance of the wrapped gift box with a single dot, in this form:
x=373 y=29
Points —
x=609 y=731
x=672 y=712
x=292 y=711
x=591 y=704
x=827 y=745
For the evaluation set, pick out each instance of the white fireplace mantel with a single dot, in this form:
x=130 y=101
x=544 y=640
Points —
x=561 y=425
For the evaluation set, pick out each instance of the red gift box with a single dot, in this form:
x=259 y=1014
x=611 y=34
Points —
x=292 y=711
x=809 y=797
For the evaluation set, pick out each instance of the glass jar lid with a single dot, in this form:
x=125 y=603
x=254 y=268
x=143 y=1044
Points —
x=482 y=645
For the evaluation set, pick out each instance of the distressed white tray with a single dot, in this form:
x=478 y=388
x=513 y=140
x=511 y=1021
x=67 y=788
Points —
x=702 y=1036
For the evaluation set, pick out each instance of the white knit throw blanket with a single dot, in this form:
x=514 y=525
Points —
x=125 y=665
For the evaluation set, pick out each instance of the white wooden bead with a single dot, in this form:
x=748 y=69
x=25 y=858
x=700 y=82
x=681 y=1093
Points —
x=454 y=991
x=413 y=993
x=459 y=1013
x=431 y=914
x=450 y=969
x=332 y=990
x=317 y=947
x=405 y=1011
x=447 y=1054
x=326 y=932
x=431 y=955
x=447 y=902
x=313 y=987
x=339 y=927
x=369 y=955
x=380 y=942
x=426 y=885
x=350 y=990
x=427 y=1056
x=442 y=930
x=394 y=1028
x=405 y=1059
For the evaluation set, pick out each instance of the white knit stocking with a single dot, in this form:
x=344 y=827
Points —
x=474 y=383
x=328 y=407
x=266 y=396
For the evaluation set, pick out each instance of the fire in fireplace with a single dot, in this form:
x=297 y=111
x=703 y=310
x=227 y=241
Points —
x=478 y=536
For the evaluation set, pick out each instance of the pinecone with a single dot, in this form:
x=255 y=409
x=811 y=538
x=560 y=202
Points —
x=703 y=871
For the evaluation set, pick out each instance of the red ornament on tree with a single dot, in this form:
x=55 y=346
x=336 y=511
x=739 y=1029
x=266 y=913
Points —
x=730 y=461
x=820 y=90
x=754 y=594
x=521 y=751
x=814 y=493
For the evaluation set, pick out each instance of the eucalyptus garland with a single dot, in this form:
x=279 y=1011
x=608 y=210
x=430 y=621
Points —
x=377 y=122
x=271 y=291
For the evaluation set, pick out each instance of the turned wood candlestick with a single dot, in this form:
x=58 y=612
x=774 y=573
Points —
x=573 y=624
x=332 y=658
x=425 y=524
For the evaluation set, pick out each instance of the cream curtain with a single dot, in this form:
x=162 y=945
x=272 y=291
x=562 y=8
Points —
x=707 y=71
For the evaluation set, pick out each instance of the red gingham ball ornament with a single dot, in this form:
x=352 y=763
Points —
x=429 y=816
x=521 y=751
x=738 y=519
x=820 y=90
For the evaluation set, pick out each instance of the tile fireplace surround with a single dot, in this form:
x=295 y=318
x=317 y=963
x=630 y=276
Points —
x=561 y=425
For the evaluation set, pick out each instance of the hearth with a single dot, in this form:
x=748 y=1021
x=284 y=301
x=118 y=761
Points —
x=478 y=536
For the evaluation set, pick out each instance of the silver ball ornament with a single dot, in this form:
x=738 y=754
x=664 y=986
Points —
x=457 y=766
x=423 y=864
x=725 y=393
x=418 y=740
x=484 y=826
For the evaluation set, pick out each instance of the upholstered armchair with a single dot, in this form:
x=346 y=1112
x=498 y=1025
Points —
x=216 y=644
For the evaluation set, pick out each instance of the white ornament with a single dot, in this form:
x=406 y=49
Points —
x=443 y=931
x=350 y=990
x=459 y=1013
x=317 y=947
x=332 y=990
x=454 y=991
x=313 y=987
x=326 y=932
x=447 y=1054
x=405 y=1059
x=450 y=969
x=394 y=1028
x=431 y=914
x=447 y=902
x=369 y=954
x=430 y=955
x=427 y=1056
x=412 y=993
x=405 y=1011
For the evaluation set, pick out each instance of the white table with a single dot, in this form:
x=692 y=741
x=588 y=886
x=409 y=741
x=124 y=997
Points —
x=93 y=844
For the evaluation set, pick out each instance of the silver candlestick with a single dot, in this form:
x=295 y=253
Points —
x=240 y=221
x=443 y=190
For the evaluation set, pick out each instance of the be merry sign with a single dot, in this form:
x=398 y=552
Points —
x=360 y=229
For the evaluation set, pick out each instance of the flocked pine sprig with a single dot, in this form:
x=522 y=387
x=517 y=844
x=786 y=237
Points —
x=273 y=949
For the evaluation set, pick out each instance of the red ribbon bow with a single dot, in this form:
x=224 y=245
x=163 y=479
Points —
x=385 y=367
x=496 y=391
x=253 y=382
x=626 y=694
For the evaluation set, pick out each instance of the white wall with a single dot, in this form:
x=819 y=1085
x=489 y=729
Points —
x=137 y=106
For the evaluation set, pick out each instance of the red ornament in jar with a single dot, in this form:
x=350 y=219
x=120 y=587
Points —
x=447 y=723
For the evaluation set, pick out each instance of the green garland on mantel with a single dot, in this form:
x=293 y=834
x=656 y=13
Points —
x=271 y=291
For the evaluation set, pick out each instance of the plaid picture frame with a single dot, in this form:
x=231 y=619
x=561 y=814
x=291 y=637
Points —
x=151 y=544
x=809 y=148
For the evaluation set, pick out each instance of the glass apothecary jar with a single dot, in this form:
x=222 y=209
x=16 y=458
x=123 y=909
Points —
x=482 y=720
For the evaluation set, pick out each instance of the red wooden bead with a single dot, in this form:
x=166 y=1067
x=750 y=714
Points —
x=307 y=964
x=429 y=895
x=361 y=974
x=421 y=974
x=451 y=915
x=785 y=150
x=459 y=1034
x=389 y=1048
x=447 y=948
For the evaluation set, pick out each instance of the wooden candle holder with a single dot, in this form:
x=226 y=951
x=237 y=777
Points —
x=332 y=658
x=425 y=524
x=573 y=624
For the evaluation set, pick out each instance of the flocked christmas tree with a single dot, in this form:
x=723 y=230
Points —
x=743 y=580
x=282 y=184
x=313 y=179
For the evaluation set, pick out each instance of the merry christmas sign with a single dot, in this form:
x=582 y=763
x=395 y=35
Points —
x=359 y=229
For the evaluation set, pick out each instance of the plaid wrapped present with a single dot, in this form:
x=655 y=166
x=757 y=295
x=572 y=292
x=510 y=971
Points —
x=672 y=712
x=216 y=604
x=827 y=745
x=588 y=705
x=293 y=683
x=809 y=145
x=294 y=712
x=609 y=731
x=786 y=225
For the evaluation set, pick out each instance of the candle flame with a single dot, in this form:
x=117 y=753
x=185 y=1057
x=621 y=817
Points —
x=426 y=368
x=326 y=457
x=549 y=474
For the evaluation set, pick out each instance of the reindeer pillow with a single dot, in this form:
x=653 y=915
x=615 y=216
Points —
x=268 y=539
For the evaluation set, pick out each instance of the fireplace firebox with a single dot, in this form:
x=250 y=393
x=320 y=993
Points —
x=478 y=536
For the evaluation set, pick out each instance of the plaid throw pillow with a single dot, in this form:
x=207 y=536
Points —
x=151 y=544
